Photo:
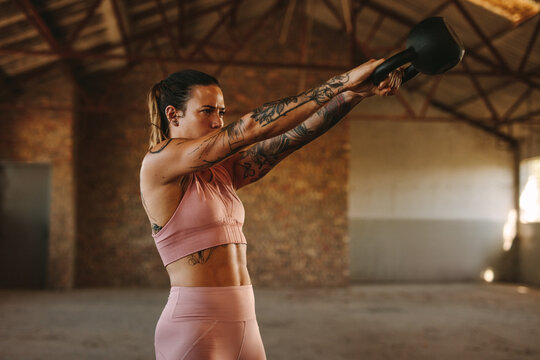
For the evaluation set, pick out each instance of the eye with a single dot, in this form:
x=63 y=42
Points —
x=208 y=111
x=222 y=113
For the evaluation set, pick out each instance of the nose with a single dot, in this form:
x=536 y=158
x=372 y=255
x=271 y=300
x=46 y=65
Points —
x=217 y=122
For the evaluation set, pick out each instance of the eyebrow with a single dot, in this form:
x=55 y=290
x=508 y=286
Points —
x=212 y=107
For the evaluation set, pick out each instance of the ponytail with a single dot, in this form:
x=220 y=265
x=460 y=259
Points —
x=159 y=126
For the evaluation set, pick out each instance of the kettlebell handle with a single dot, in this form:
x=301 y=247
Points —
x=392 y=63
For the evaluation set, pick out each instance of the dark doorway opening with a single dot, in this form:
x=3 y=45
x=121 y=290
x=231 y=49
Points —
x=25 y=192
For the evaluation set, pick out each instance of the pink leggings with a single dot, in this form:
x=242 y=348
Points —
x=209 y=323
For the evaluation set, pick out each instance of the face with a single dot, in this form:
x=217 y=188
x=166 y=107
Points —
x=204 y=111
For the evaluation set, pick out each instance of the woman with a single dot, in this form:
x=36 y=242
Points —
x=188 y=182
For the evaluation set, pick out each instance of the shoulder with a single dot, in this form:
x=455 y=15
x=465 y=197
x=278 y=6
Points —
x=159 y=158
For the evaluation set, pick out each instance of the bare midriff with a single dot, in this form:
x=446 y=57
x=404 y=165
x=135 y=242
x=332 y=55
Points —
x=223 y=265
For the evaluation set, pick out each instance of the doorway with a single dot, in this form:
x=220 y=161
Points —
x=25 y=191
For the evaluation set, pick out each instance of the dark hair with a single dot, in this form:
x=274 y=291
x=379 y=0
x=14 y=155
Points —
x=175 y=90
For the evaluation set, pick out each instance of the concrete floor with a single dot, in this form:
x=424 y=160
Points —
x=451 y=321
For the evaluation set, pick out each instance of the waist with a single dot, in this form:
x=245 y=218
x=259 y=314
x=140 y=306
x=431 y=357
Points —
x=225 y=303
x=224 y=265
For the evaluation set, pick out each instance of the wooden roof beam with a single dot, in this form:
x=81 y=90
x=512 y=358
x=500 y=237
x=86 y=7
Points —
x=480 y=33
x=37 y=21
x=167 y=27
x=82 y=24
x=480 y=91
x=118 y=14
x=259 y=24
x=530 y=45
x=58 y=49
x=335 y=13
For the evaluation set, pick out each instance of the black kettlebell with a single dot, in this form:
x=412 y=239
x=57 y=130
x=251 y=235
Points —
x=432 y=48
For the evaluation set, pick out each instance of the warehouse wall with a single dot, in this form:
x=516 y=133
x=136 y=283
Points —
x=428 y=202
x=529 y=242
x=31 y=133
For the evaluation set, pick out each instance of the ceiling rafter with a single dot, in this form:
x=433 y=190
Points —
x=257 y=26
x=284 y=33
x=305 y=40
x=335 y=13
x=494 y=88
x=522 y=118
x=481 y=34
x=57 y=48
x=39 y=24
x=516 y=104
x=219 y=23
x=475 y=123
x=120 y=23
x=530 y=45
x=234 y=16
x=167 y=27
x=430 y=95
x=481 y=91
x=82 y=24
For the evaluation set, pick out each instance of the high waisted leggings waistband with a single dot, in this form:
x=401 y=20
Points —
x=225 y=303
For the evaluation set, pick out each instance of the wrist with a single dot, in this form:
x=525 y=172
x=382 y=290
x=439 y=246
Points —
x=353 y=97
x=340 y=83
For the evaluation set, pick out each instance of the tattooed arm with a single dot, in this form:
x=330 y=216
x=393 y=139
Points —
x=251 y=164
x=174 y=158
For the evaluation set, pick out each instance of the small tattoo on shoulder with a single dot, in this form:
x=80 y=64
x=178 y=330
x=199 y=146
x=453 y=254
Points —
x=163 y=147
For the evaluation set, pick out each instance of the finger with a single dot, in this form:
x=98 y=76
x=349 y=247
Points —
x=373 y=64
x=385 y=83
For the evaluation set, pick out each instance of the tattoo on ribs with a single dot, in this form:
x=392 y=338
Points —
x=202 y=256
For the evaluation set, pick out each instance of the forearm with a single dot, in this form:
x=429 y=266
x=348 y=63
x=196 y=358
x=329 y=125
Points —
x=275 y=118
x=323 y=120
x=273 y=150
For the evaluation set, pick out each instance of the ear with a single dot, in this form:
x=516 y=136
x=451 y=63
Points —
x=170 y=112
x=173 y=113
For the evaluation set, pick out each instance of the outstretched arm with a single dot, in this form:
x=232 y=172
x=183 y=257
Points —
x=168 y=162
x=253 y=163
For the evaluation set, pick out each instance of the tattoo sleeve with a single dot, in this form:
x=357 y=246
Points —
x=270 y=112
x=262 y=157
x=231 y=136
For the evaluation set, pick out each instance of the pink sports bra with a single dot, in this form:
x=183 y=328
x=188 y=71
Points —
x=209 y=214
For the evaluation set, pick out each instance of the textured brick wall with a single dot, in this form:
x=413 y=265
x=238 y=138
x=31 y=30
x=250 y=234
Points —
x=31 y=133
x=296 y=217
